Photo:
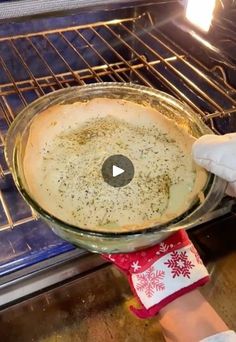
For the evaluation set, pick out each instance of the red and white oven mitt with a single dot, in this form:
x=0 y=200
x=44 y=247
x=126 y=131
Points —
x=162 y=273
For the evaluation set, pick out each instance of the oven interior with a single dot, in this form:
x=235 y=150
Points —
x=152 y=45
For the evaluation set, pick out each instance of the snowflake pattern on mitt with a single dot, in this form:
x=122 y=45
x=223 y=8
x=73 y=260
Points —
x=163 y=248
x=179 y=264
x=197 y=256
x=150 y=281
x=135 y=266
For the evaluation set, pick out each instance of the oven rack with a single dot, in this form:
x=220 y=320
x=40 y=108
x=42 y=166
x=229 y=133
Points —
x=98 y=52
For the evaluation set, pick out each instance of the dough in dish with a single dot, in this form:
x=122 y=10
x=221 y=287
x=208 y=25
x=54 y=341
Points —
x=65 y=151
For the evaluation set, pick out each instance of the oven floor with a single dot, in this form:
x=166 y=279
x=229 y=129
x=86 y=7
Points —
x=95 y=308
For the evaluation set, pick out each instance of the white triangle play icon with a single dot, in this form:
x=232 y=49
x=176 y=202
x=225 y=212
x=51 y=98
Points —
x=116 y=171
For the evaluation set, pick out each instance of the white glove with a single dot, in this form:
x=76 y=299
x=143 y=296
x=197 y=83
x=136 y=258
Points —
x=217 y=154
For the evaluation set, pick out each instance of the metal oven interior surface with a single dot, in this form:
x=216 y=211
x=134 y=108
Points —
x=150 y=45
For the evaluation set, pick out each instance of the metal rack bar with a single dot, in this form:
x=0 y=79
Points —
x=69 y=29
x=169 y=43
x=143 y=79
x=101 y=58
x=223 y=77
x=16 y=223
x=9 y=110
x=93 y=73
x=176 y=71
x=5 y=114
x=5 y=68
x=156 y=73
x=220 y=114
x=206 y=78
x=38 y=89
x=64 y=61
x=7 y=212
x=120 y=69
x=44 y=62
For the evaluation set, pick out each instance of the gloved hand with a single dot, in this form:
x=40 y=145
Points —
x=217 y=154
x=162 y=273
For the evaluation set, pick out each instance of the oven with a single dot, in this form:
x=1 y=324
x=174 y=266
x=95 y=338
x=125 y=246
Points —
x=50 y=45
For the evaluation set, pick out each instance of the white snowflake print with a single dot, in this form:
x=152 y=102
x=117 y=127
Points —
x=164 y=247
x=110 y=257
x=179 y=264
x=197 y=256
x=150 y=281
x=135 y=265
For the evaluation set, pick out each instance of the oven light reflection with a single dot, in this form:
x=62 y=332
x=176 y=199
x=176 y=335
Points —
x=200 y=13
x=204 y=42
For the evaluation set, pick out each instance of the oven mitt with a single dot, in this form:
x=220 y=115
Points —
x=217 y=154
x=160 y=274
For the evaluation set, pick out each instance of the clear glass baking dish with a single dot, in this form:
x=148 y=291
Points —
x=106 y=242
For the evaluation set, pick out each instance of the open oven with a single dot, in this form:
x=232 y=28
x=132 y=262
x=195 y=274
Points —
x=49 y=45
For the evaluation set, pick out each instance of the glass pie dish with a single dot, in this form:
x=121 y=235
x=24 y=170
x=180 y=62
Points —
x=112 y=242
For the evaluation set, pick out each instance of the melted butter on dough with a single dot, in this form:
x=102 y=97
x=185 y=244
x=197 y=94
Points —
x=68 y=144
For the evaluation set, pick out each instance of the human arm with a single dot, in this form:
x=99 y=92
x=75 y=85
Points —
x=186 y=315
x=190 y=318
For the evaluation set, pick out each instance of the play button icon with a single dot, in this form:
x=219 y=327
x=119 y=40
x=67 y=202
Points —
x=118 y=170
